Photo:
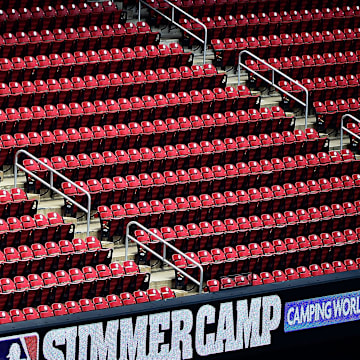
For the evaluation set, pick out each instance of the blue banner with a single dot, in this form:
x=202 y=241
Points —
x=21 y=347
x=322 y=311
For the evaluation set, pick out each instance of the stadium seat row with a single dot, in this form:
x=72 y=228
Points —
x=42 y=3
x=217 y=151
x=97 y=62
x=330 y=112
x=57 y=41
x=233 y=204
x=105 y=113
x=107 y=61
x=185 y=156
x=73 y=284
x=321 y=89
x=133 y=109
x=240 y=25
x=200 y=8
x=268 y=255
x=227 y=50
x=328 y=64
x=269 y=277
x=134 y=135
x=51 y=256
x=27 y=229
x=276 y=195
x=114 y=85
x=244 y=230
x=97 y=303
x=16 y=202
x=60 y=16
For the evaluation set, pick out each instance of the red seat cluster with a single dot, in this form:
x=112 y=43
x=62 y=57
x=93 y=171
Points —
x=269 y=277
x=59 y=16
x=86 y=304
x=70 y=39
x=271 y=258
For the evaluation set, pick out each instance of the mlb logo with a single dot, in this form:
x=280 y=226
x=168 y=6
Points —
x=20 y=347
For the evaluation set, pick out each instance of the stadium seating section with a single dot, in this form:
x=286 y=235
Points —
x=156 y=138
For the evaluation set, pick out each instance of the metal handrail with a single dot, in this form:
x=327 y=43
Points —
x=163 y=256
x=51 y=184
x=272 y=81
x=346 y=129
x=172 y=19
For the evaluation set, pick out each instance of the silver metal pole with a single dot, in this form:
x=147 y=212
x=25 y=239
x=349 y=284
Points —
x=172 y=19
x=205 y=43
x=15 y=169
x=164 y=250
x=275 y=86
x=197 y=282
x=240 y=64
x=306 y=107
x=127 y=242
x=51 y=186
x=165 y=243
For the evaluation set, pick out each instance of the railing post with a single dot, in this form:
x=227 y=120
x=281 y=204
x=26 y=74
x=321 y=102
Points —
x=164 y=251
x=163 y=258
x=306 y=107
x=205 y=44
x=126 y=242
x=15 y=168
x=172 y=19
x=51 y=185
x=241 y=64
x=341 y=132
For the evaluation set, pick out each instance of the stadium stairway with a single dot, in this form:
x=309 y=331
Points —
x=159 y=276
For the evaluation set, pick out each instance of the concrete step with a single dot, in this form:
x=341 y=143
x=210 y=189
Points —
x=270 y=100
x=108 y=244
x=7 y=181
x=162 y=278
x=181 y=293
x=80 y=230
x=49 y=205
x=167 y=278
x=119 y=252
x=300 y=121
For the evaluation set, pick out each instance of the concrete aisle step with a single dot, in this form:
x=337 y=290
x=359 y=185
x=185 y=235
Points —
x=162 y=278
x=119 y=252
x=80 y=230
